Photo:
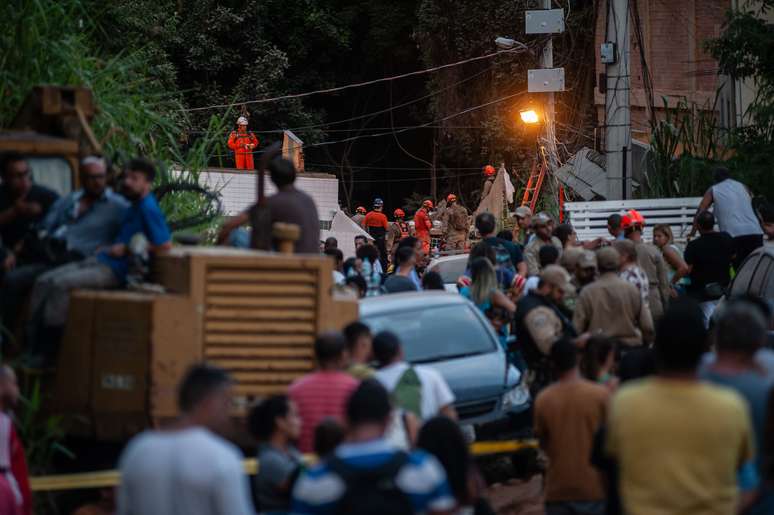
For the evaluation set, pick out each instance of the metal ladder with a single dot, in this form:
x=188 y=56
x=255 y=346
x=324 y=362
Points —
x=535 y=182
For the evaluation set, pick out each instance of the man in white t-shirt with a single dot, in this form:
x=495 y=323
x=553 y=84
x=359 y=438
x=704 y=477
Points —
x=434 y=395
x=188 y=469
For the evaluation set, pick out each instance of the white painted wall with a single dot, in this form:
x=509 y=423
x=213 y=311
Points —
x=238 y=190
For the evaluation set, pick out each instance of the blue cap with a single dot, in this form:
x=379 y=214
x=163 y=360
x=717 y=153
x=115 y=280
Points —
x=378 y=202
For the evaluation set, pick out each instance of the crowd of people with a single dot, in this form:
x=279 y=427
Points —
x=93 y=238
x=648 y=397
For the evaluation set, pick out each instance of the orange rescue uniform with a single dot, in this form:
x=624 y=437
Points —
x=422 y=226
x=243 y=155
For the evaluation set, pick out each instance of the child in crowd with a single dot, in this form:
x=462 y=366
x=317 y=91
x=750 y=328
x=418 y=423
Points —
x=276 y=425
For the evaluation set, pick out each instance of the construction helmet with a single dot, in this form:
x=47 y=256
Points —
x=361 y=210
x=489 y=170
x=378 y=202
x=428 y=204
x=632 y=219
x=241 y=120
x=399 y=213
x=451 y=198
x=637 y=217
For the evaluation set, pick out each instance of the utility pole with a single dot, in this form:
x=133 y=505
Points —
x=549 y=134
x=618 y=129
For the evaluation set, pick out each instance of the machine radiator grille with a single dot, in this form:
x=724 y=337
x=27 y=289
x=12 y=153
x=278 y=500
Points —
x=260 y=325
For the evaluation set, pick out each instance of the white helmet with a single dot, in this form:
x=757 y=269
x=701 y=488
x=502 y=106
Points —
x=241 y=120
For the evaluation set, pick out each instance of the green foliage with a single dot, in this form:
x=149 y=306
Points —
x=42 y=435
x=685 y=145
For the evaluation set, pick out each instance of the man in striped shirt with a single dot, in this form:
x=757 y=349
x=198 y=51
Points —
x=367 y=474
x=323 y=393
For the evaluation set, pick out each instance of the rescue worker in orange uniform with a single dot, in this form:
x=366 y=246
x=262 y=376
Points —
x=457 y=225
x=376 y=224
x=489 y=177
x=243 y=144
x=422 y=225
x=399 y=229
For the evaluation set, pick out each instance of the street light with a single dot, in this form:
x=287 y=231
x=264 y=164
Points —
x=509 y=44
x=529 y=116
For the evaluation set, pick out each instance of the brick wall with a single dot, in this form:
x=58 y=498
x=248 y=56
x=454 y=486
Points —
x=674 y=32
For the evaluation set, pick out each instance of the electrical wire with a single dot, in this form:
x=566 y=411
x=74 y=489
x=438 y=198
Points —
x=520 y=49
x=422 y=126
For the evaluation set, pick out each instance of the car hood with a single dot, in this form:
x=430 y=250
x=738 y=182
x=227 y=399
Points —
x=474 y=377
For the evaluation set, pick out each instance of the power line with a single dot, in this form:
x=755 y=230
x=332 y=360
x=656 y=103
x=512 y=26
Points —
x=405 y=129
x=358 y=84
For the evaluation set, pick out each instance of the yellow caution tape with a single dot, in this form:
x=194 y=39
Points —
x=111 y=478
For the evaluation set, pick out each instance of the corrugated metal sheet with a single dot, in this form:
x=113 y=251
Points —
x=585 y=174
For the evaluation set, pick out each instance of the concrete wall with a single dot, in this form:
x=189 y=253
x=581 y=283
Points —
x=238 y=189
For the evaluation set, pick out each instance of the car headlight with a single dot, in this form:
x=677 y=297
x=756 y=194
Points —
x=516 y=397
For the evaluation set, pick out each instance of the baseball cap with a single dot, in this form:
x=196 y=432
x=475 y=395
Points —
x=587 y=259
x=541 y=219
x=522 y=212
x=571 y=257
x=608 y=258
x=557 y=276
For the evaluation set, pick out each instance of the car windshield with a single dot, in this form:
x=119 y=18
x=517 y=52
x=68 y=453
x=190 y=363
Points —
x=435 y=334
x=451 y=270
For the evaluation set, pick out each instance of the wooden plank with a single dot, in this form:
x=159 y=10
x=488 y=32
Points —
x=279 y=276
x=258 y=366
x=223 y=352
x=260 y=327
x=257 y=390
x=258 y=339
x=602 y=216
x=259 y=314
x=281 y=302
x=261 y=289
x=265 y=378
x=625 y=205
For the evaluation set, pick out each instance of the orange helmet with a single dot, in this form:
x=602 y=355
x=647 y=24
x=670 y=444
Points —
x=489 y=170
x=451 y=198
x=361 y=210
x=428 y=204
x=632 y=218
x=399 y=213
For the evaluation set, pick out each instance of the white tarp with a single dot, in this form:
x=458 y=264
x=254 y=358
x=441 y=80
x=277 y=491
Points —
x=344 y=229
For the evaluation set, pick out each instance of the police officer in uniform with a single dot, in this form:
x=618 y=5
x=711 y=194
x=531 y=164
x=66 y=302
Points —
x=457 y=225
x=540 y=322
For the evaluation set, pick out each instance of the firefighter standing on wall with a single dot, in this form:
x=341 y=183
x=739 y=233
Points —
x=376 y=224
x=456 y=224
x=243 y=144
x=399 y=229
x=489 y=177
x=422 y=225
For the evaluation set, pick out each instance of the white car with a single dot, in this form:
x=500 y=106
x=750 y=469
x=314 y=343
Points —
x=450 y=268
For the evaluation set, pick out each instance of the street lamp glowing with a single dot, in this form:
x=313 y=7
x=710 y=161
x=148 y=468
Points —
x=530 y=117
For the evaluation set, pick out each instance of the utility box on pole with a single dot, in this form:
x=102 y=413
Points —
x=547 y=80
x=544 y=21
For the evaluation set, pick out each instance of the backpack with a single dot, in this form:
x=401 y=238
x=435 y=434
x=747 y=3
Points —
x=408 y=392
x=371 y=491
